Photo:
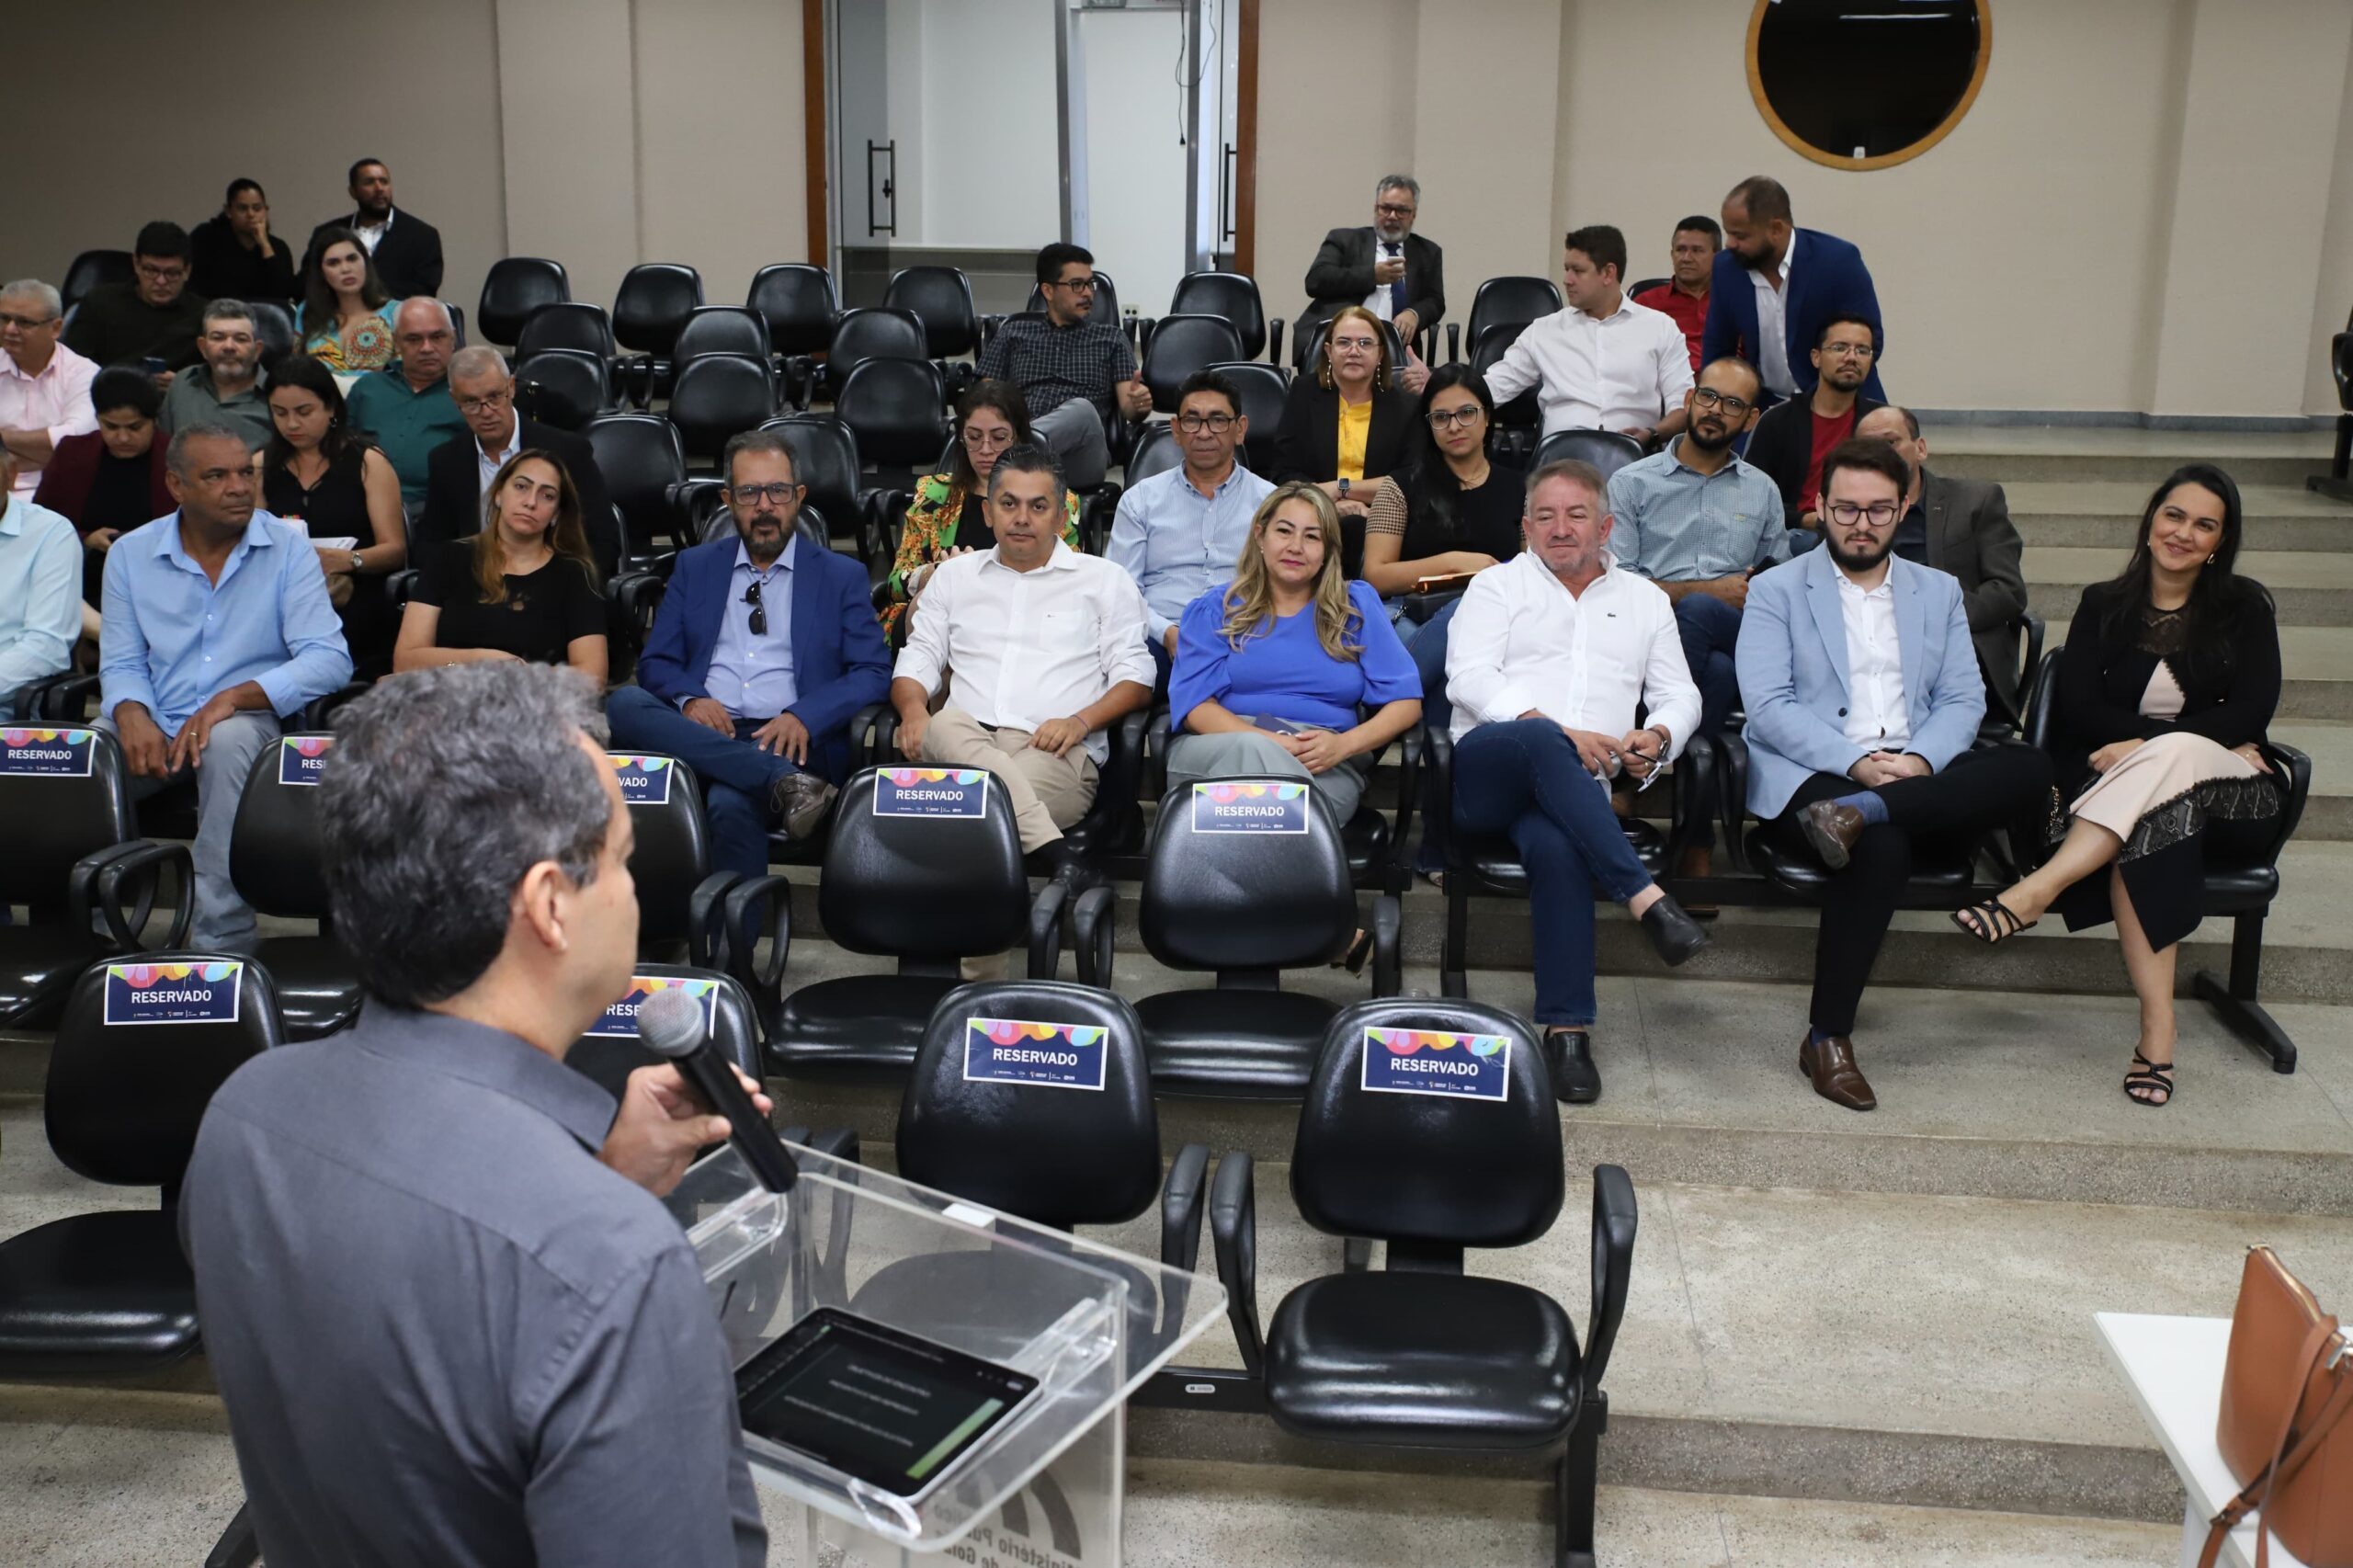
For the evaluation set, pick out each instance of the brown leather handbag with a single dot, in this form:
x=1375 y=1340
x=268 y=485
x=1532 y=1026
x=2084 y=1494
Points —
x=2287 y=1387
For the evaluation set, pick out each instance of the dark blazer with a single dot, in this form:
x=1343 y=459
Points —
x=1829 y=279
x=1342 y=276
x=73 y=468
x=2230 y=689
x=1308 y=444
x=1782 y=444
x=221 y=267
x=840 y=662
x=453 y=494
x=1970 y=536
x=408 y=258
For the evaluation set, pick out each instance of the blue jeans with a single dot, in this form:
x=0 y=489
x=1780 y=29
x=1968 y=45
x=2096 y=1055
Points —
x=1524 y=778
x=1428 y=650
x=1710 y=629
x=736 y=775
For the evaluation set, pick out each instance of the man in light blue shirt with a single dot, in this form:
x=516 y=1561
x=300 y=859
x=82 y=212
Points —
x=41 y=588
x=217 y=622
x=1181 y=532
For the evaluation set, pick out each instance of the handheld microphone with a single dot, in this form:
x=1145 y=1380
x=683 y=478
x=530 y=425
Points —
x=670 y=1024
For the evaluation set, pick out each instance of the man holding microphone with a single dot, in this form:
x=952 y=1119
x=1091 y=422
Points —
x=449 y=1319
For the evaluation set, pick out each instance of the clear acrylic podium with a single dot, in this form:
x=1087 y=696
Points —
x=1091 y=1323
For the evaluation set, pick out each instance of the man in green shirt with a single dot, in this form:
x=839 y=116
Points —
x=406 y=406
x=152 y=317
x=229 y=386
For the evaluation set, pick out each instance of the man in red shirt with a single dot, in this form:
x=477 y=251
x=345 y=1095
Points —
x=1793 y=436
x=1684 y=296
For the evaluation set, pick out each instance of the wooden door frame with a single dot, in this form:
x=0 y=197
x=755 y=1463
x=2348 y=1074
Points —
x=1246 y=140
x=816 y=152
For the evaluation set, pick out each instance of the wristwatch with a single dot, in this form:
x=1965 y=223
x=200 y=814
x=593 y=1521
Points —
x=1343 y=487
x=358 y=566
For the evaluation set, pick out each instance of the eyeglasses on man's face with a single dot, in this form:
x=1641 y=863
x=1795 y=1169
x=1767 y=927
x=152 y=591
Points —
x=1077 y=285
x=1390 y=209
x=1841 y=348
x=1194 y=424
x=489 y=400
x=23 y=324
x=1847 y=514
x=1709 y=397
x=752 y=494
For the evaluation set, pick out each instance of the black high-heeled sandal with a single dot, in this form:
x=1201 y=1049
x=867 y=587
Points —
x=1359 y=951
x=2152 y=1078
x=1991 y=922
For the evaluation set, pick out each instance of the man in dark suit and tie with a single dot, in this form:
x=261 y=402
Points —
x=458 y=471
x=406 y=248
x=764 y=649
x=1776 y=285
x=1387 y=268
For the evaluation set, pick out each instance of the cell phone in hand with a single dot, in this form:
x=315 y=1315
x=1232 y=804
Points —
x=153 y=365
x=1451 y=580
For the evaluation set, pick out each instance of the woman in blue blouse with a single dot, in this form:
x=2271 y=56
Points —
x=1290 y=670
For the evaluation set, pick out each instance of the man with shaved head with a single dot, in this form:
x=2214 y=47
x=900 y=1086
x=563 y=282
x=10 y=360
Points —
x=406 y=406
x=1776 y=286
x=458 y=471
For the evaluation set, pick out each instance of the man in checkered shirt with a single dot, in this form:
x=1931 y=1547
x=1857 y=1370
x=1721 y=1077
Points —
x=1077 y=373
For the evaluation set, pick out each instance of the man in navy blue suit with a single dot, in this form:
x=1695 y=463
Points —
x=763 y=650
x=1776 y=285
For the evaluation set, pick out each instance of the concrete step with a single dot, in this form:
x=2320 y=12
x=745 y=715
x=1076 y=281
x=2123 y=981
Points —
x=2328 y=810
x=2105 y=515
x=2316 y=663
x=2311 y=587
x=2141 y=457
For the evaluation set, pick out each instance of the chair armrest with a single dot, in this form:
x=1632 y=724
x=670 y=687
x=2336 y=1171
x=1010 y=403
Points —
x=1697 y=798
x=1046 y=929
x=1157 y=739
x=1388 y=961
x=1438 y=749
x=883 y=515
x=1123 y=765
x=744 y=922
x=799 y=375
x=59 y=695
x=707 y=941
x=2295 y=773
x=94 y=890
x=1413 y=746
x=1420 y=608
x=1275 y=341
x=867 y=728
x=401 y=587
x=1614 y=1216
x=1453 y=342
x=1234 y=1230
x=319 y=710
x=1732 y=781
x=2031 y=624
x=1180 y=1208
x=1094 y=920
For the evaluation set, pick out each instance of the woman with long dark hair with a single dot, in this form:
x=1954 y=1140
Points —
x=318 y=472
x=525 y=587
x=2165 y=685
x=1451 y=511
x=344 y=321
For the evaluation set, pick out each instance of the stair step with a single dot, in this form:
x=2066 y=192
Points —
x=2310 y=587
x=2013 y=453
x=2316 y=662
x=2105 y=515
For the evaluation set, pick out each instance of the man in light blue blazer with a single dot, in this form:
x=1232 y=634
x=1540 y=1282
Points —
x=1864 y=698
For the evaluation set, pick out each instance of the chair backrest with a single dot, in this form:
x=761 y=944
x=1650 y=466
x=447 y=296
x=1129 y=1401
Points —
x=1059 y=1142
x=798 y=305
x=569 y=386
x=1502 y=300
x=141 y=1048
x=609 y=1052
x=275 y=857
x=1441 y=1165
x=824 y=460
x=1182 y=345
x=2340 y=365
x=923 y=887
x=896 y=409
x=640 y=457
x=1605 y=450
x=718 y=396
x=274 y=325
x=653 y=302
x=1310 y=348
x=940 y=298
x=873 y=333
x=513 y=289
x=1157 y=451
x=1106 y=299
x=1264 y=392
x=456 y=323
x=673 y=851
x=1245 y=873
x=572 y=324
x=721 y=329
x=1488 y=345
x=1232 y=295
x=91 y=268
x=65 y=795
x=1644 y=285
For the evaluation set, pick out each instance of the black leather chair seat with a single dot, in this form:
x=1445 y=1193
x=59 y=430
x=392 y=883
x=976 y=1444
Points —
x=104 y=1294
x=859 y=1026
x=1492 y=860
x=39 y=963
x=1234 y=1044
x=1941 y=872
x=1354 y=1358
x=317 y=991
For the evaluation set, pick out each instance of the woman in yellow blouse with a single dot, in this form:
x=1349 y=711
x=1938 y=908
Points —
x=1347 y=424
x=947 y=517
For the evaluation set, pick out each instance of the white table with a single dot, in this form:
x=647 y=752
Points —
x=2173 y=1367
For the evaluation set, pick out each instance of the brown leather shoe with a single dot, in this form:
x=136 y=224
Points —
x=1836 y=1077
x=1832 y=829
x=801 y=800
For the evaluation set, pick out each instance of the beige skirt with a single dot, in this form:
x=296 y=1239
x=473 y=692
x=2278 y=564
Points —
x=2166 y=788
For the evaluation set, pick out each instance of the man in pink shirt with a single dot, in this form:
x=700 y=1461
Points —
x=44 y=386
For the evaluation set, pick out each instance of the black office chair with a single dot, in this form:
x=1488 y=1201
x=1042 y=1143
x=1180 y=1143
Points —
x=896 y=409
x=564 y=387
x=276 y=861
x=1505 y=301
x=687 y=912
x=273 y=326
x=1517 y=421
x=1265 y=391
x=1644 y=285
x=643 y=463
x=860 y=335
x=609 y=1058
x=1605 y=450
x=571 y=324
x=828 y=461
x=1420 y=1355
x=799 y=303
x=1312 y=347
x=513 y=288
x=926 y=891
x=718 y=396
x=710 y=329
x=2337 y=483
x=91 y=268
x=653 y=304
x=1234 y=296
x=942 y=299
x=1182 y=345
x=457 y=324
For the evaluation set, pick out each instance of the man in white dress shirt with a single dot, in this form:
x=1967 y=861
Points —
x=1047 y=647
x=1864 y=698
x=1550 y=654
x=1602 y=362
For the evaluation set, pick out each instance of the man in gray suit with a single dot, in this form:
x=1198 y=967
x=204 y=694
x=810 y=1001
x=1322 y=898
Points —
x=1387 y=268
x=1963 y=525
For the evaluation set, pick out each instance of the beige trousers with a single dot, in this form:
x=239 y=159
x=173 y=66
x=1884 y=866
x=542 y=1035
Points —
x=1048 y=792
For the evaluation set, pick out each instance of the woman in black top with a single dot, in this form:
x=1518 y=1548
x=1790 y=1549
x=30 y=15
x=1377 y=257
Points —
x=1452 y=512
x=232 y=255
x=526 y=588
x=318 y=472
x=1348 y=424
x=2165 y=686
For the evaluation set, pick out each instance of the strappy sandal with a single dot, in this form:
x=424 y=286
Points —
x=2150 y=1078
x=1991 y=922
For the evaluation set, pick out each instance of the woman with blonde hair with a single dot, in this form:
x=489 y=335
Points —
x=525 y=587
x=1289 y=671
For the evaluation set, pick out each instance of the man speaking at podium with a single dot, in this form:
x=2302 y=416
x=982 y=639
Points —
x=450 y=1321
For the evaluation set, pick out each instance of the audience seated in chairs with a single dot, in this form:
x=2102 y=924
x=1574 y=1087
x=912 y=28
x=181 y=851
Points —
x=40 y=589
x=458 y=471
x=404 y=248
x=1792 y=436
x=1601 y=362
x=327 y=479
x=108 y=481
x=1386 y=268
x=153 y=316
x=44 y=386
x=1963 y=525
x=1776 y=287
x=1078 y=373
x=232 y=255
x=1289 y=671
x=1863 y=699
x=1350 y=421
x=2168 y=683
x=762 y=652
x=1040 y=649
x=527 y=589
x=1178 y=532
x=1545 y=666
x=406 y=405
x=217 y=624
x=226 y=385
x=1684 y=296
x=346 y=318
x=950 y=514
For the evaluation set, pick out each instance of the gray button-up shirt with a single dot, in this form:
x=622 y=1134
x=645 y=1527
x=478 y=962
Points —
x=191 y=400
x=445 y=1334
x=1678 y=524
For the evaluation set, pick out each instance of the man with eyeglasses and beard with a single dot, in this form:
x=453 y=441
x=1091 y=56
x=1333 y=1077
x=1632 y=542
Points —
x=1076 y=370
x=1792 y=438
x=762 y=652
x=1864 y=700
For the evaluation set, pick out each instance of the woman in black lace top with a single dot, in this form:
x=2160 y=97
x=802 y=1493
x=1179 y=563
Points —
x=2170 y=675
